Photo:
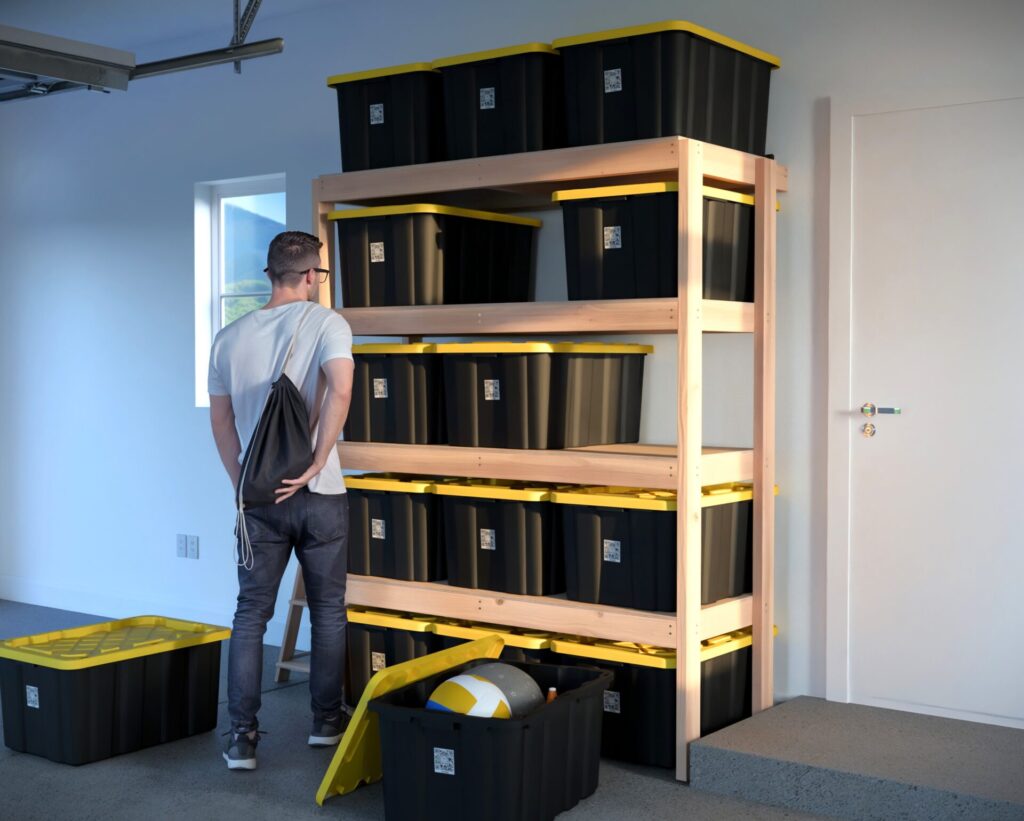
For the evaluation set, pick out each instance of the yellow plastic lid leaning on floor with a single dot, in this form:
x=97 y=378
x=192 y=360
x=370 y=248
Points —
x=646 y=188
x=394 y=482
x=388 y=347
x=431 y=208
x=542 y=347
x=110 y=642
x=388 y=618
x=357 y=758
x=493 y=489
x=494 y=54
x=645 y=655
x=377 y=73
x=668 y=25
x=512 y=638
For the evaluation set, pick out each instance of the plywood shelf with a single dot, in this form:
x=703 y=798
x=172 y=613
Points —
x=526 y=181
x=547 y=613
x=654 y=466
x=617 y=316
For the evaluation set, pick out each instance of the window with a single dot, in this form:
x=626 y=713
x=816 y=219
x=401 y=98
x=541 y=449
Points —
x=235 y=220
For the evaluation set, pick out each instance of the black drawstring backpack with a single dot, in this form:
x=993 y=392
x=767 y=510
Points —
x=280 y=448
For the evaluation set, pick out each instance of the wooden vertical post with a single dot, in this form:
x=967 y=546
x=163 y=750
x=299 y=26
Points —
x=765 y=187
x=689 y=436
x=324 y=231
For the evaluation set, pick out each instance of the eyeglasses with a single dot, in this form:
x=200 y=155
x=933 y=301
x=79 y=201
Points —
x=324 y=272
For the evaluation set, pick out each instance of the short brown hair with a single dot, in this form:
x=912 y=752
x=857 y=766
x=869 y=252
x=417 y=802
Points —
x=288 y=252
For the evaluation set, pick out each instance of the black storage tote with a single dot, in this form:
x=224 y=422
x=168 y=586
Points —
x=541 y=394
x=428 y=254
x=89 y=693
x=640 y=703
x=664 y=79
x=503 y=101
x=501 y=536
x=394 y=528
x=620 y=545
x=396 y=395
x=389 y=116
x=375 y=639
x=446 y=767
x=622 y=242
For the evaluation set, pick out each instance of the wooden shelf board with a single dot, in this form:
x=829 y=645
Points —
x=548 y=613
x=652 y=466
x=726 y=616
x=626 y=316
x=528 y=612
x=527 y=180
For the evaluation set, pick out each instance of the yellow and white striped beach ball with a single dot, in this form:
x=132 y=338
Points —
x=470 y=695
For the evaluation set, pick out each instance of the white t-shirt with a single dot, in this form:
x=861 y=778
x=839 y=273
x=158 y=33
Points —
x=247 y=356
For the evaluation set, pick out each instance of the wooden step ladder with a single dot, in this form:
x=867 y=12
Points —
x=290 y=661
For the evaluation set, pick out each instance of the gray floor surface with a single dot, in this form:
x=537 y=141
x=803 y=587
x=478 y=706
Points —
x=926 y=751
x=188 y=779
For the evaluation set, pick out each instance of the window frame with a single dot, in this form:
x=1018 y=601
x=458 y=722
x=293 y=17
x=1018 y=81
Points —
x=209 y=262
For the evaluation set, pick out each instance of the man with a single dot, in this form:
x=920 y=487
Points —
x=311 y=511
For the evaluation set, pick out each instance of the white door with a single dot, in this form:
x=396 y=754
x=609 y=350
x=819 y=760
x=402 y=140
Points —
x=931 y=280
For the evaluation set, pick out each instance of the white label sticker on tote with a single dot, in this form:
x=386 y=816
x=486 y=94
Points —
x=380 y=388
x=377 y=528
x=613 y=237
x=376 y=252
x=376 y=113
x=444 y=761
x=378 y=661
x=486 y=98
x=487 y=539
x=613 y=551
x=32 y=696
x=612 y=80
x=492 y=390
x=612 y=702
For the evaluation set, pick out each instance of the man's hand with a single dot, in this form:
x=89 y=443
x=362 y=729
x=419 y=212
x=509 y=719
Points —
x=292 y=486
x=222 y=420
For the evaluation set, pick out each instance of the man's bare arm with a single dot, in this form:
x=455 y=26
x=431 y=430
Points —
x=339 y=373
x=222 y=420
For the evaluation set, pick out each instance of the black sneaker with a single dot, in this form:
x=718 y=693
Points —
x=241 y=749
x=327 y=732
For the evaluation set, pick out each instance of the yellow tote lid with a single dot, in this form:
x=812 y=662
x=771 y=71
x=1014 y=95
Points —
x=617 y=497
x=639 y=189
x=512 y=638
x=494 y=54
x=110 y=642
x=430 y=208
x=386 y=618
x=493 y=489
x=393 y=482
x=387 y=347
x=614 y=191
x=668 y=25
x=542 y=347
x=644 y=655
x=377 y=73
x=645 y=499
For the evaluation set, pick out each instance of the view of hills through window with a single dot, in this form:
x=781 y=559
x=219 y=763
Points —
x=248 y=224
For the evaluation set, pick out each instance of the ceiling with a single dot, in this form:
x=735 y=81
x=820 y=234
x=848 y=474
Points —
x=139 y=25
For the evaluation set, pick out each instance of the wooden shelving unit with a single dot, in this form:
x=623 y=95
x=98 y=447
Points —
x=525 y=182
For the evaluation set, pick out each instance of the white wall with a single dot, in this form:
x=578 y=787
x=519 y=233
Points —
x=103 y=456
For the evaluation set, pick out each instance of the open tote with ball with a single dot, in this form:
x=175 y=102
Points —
x=281 y=448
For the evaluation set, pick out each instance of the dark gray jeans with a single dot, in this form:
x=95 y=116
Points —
x=317 y=527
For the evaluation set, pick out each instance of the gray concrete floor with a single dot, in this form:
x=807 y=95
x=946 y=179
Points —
x=188 y=778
